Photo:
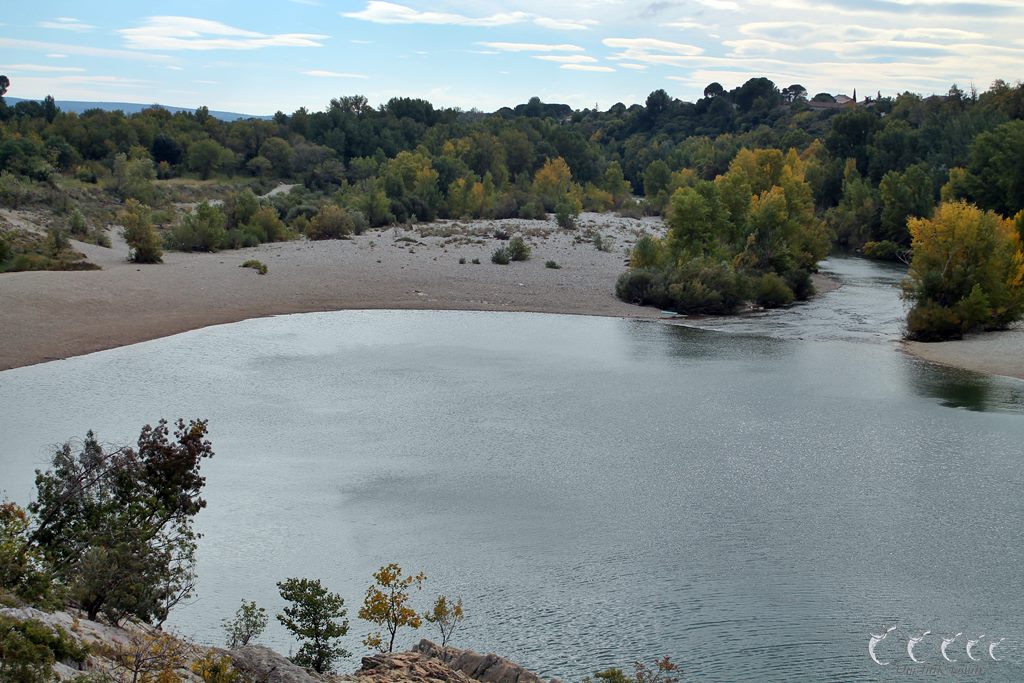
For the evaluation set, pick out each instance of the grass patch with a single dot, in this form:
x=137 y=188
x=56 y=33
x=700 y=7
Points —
x=258 y=266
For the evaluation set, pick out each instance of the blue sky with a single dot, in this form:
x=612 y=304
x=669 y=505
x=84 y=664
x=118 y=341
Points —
x=264 y=55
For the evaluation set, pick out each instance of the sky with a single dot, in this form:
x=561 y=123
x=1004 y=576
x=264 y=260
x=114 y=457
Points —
x=261 y=56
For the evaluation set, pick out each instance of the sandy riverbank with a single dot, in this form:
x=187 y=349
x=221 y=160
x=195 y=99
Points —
x=50 y=315
x=994 y=353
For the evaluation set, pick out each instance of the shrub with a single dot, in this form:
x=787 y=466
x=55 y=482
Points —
x=518 y=250
x=143 y=241
x=22 y=572
x=258 y=266
x=501 y=256
x=476 y=262
x=552 y=264
x=501 y=234
x=77 y=224
x=564 y=216
x=930 y=322
x=214 y=669
x=5 y=250
x=602 y=243
x=772 y=291
x=56 y=241
x=532 y=210
x=462 y=260
x=631 y=209
x=249 y=622
x=202 y=230
x=331 y=222
x=267 y=225
x=29 y=648
x=637 y=286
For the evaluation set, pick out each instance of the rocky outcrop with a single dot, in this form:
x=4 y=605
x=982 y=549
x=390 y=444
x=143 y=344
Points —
x=489 y=668
x=259 y=663
x=427 y=662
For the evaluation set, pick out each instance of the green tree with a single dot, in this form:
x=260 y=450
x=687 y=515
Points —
x=312 y=616
x=996 y=172
x=207 y=157
x=22 y=569
x=387 y=605
x=248 y=623
x=967 y=273
x=144 y=244
x=116 y=526
x=910 y=194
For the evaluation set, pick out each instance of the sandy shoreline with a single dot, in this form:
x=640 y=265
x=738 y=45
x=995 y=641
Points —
x=51 y=315
x=991 y=353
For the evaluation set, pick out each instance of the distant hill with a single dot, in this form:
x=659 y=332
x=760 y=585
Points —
x=133 y=108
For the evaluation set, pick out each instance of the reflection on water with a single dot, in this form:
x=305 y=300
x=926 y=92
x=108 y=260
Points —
x=754 y=504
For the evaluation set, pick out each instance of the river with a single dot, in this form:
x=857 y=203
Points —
x=754 y=498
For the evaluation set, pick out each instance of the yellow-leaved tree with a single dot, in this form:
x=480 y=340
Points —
x=967 y=273
x=386 y=605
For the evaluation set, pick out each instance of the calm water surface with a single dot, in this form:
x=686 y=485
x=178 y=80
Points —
x=754 y=498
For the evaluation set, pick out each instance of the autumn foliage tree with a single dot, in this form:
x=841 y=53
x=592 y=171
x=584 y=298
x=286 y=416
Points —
x=387 y=605
x=967 y=273
x=446 y=616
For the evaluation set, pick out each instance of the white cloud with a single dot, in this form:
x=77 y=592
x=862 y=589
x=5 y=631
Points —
x=720 y=4
x=67 y=24
x=587 y=67
x=566 y=59
x=390 y=13
x=690 y=25
x=635 y=67
x=56 y=55
x=379 y=12
x=15 y=68
x=176 y=68
x=532 y=47
x=564 y=24
x=651 y=50
x=189 y=33
x=85 y=50
x=318 y=73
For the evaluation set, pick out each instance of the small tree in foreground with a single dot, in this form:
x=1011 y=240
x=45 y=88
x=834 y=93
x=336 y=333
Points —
x=386 y=605
x=664 y=671
x=249 y=623
x=447 y=617
x=312 y=616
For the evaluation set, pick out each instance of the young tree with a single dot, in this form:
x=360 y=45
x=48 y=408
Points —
x=386 y=605
x=116 y=527
x=144 y=244
x=447 y=617
x=312 y=616
x=249 y=623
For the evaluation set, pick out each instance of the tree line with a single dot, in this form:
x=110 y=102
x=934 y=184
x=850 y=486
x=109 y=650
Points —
x=863 y=171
